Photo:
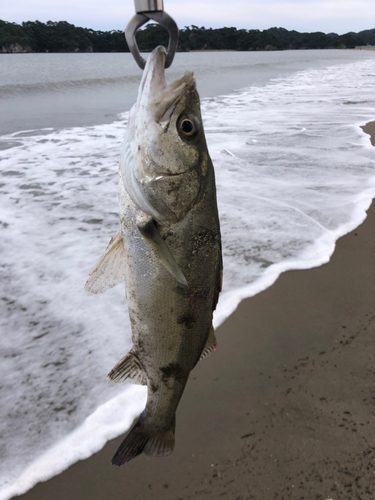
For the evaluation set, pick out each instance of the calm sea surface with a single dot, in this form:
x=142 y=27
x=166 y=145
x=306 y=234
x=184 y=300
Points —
x=294 y=172
x=66 y=90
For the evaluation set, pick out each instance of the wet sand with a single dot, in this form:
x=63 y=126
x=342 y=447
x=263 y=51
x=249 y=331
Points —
x=283 y=410
x=369 y=128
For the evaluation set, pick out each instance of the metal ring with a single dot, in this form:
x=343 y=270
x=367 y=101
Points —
x=161 y=18
x=148 y=6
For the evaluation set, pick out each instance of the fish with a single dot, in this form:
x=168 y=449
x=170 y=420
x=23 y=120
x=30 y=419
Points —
x=167 y=250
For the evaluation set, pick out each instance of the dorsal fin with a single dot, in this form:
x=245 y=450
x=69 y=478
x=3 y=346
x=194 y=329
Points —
x=110 y=270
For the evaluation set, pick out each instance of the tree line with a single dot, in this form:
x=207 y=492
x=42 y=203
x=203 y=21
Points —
x=35 y=36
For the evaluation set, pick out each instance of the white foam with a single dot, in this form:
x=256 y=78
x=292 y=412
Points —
x=107 y=422
x=294 y=173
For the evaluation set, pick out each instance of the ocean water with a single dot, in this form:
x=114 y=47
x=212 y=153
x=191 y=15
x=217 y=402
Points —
x=294 y=172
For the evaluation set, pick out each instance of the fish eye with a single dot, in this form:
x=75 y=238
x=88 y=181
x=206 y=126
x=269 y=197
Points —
x=186 y=127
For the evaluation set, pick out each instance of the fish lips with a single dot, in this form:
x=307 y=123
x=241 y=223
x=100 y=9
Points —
x=164 y=104
x=155 y=94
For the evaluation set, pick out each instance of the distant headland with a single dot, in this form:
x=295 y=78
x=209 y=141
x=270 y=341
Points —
x=35 y=36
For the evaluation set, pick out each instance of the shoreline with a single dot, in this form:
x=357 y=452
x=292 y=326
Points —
x=282 y=410
x=358 y=47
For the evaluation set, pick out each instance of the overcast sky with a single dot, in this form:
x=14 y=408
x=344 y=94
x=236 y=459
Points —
x=339 y=16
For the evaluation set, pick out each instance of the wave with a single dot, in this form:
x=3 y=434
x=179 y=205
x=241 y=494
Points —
x=64 y=85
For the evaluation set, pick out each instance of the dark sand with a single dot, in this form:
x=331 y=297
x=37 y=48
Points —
x=369 y=128
x=285 y=409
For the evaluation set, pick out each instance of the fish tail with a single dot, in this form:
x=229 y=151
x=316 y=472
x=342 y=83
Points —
x=140 y=440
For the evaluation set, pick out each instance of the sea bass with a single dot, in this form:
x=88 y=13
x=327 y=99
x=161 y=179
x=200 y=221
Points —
x=168 y=251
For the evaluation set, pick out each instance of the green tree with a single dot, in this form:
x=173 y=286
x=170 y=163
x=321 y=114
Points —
x=64 y=37
x=12 y=33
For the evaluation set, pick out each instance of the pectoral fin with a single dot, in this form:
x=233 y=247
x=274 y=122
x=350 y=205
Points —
x=211 y=344
x=159 y=248
x=110 y=270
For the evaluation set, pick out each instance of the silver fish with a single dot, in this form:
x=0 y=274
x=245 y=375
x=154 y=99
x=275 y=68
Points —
x=168 y=251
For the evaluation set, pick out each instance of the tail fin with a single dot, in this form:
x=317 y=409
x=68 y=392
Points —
x=139 y=440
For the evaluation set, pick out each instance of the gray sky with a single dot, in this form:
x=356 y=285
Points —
x=338 y=16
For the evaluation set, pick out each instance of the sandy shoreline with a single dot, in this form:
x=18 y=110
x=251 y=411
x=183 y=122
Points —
x=283 y=410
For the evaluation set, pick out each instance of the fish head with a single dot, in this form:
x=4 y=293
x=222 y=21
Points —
x=167 y=167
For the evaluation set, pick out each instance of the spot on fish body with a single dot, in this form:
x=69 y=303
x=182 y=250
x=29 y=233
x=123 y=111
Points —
x=187 y=319
x=173 y=370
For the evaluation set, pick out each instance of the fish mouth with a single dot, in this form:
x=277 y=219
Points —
x=161 y=98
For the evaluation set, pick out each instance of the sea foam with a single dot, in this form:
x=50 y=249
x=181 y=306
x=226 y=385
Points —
x=294 y=172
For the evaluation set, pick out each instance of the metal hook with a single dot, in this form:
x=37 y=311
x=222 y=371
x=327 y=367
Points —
x=151 y=10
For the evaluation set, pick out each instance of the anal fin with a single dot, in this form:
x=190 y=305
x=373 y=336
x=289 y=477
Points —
x=211 y=344
x=128 y=368
x=110 y=270
x=154 y=241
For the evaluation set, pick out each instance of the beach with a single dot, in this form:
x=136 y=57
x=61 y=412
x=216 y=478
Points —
x=284 y=409
x=294 y=170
